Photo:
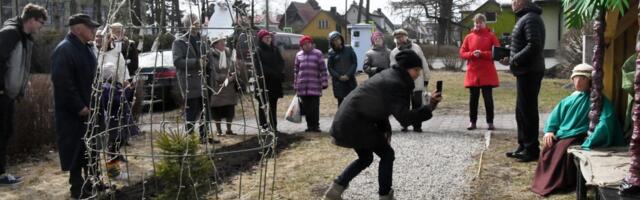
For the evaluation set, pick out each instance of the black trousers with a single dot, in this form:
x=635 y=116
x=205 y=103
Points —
x=487 y=95
x=416 y=102
x=273 y=108
x=81 y=171
x=340 y=101
x=193 y=113
x=365 y=157
x=527 y=116
x=7 y=118
x=311 y=110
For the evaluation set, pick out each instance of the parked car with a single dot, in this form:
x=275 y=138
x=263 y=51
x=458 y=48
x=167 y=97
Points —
x=158 y=76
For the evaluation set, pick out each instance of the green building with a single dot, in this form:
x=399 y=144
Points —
x=501 y=19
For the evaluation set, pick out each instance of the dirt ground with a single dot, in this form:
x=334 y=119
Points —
x=305 y=168
x=43 y=178
x=504 y=178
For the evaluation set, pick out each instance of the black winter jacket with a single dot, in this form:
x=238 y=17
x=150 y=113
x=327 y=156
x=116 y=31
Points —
x=363 y=118
x=272 y=68
x=73 y=68
x=16 y=48
x=527 y=42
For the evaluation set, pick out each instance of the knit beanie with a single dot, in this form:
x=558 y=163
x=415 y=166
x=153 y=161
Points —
x=262 y=33
x=408 y=59
x=377 y=35
x=305 y=39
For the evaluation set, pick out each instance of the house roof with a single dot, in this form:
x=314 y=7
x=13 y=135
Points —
x=261 y=18
x=339 y=19
x=471 y=13
x=305 y=11
x=376 y=13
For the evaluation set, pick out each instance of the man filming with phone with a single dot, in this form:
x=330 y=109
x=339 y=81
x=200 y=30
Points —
x=362 y=122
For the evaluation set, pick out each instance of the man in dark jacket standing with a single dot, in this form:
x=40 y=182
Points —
x=16 y=46
x=526 y=62
x=342 y=65
x=73 y=70
x=189 y=58
x=363 y=122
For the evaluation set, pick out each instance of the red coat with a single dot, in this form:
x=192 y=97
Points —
x=480 y=70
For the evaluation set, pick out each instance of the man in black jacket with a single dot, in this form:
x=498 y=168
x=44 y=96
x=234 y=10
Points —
x=16 y=46
x=362 y=122
x=73 y=69
x=526 y=62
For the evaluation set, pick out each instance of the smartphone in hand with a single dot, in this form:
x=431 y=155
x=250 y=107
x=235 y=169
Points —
x=439 y=87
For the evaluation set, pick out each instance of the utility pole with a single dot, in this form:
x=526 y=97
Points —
x=346 y=9
x=359 y=12
x=253 y=14
x=368 y=17
x=267 y=16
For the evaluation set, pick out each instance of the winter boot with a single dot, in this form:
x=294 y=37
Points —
x=388 y=196
x=334 y=192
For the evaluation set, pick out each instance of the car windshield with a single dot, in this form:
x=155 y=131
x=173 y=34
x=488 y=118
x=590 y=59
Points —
x=155 y=59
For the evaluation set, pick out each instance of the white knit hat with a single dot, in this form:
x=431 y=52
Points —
x=214 y=39
x=583 y=69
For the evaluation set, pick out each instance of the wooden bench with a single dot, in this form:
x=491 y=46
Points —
x=603 y=168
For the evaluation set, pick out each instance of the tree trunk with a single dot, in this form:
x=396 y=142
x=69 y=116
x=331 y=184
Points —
x=136 y=15
x=634 y=148
x=97 y=10
x=175 y=12
x=368 y=17
x=359 y=12
x=444 y=18
x=596 y=81
x=73 y=7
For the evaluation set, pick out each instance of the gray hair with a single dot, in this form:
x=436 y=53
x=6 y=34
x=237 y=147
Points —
x=188 y=19
x=479 y=16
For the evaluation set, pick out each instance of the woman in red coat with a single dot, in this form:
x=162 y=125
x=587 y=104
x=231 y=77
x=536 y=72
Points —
x=481 y=72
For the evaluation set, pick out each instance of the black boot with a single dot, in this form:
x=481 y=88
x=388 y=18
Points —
x=627 y=189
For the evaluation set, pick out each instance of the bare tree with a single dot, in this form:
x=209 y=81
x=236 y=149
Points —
x=441 y=11
x=97 y=10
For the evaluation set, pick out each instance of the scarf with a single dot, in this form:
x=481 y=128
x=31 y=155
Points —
x=222 y=63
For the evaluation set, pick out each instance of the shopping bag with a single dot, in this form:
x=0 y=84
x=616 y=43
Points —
x=293 y=112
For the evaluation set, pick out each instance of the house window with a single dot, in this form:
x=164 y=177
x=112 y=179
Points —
x=323 y=24
x=491 y=16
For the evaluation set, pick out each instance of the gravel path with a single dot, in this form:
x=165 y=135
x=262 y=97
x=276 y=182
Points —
x=430 y=165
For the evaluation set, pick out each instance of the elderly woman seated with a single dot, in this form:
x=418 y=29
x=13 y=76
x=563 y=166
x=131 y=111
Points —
x=568 y=124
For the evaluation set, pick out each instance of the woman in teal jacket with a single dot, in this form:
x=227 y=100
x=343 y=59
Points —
x=568 y=124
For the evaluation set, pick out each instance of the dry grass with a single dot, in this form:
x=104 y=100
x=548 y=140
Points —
x=456 y=96
x=503 y=178
x=34 y=122
x=303 y=172
x=306 y=168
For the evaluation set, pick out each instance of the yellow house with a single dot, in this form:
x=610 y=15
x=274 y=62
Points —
x=324 y=23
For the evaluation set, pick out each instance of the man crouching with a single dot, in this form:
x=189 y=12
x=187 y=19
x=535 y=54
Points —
x=362 y=121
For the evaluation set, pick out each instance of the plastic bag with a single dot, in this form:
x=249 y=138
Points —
x=293 y=112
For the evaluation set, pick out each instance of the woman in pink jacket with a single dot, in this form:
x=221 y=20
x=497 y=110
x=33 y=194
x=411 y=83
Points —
x=481 y=72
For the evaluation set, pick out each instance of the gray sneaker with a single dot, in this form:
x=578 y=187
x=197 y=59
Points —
x=334 y=192
x=10 y=180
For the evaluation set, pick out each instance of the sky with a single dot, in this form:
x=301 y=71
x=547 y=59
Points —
x=395 y=17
